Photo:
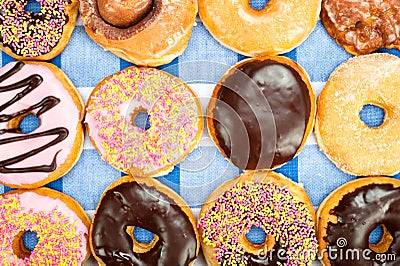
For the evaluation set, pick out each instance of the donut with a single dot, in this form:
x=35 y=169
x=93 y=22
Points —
x=261 y=112
x=267 y=200
x=37 y=36
x=146 y=33
x=174 y=116
x=60 y=223
x=144 y=203
x=279 y=27
x=362 y=27
x=347 y=141
x=349 y=214
x=33 y=159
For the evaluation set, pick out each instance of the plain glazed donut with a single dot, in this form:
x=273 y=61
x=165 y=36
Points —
x=354 y=147
x=38 y=36
x=60 y=223
x=269 y=201
x=362 y=27
x=146 y=33
x=348 y=216
x=29 y=160
x=279 y=27
x=148 y=204
x=175 y=119
x=261 y=112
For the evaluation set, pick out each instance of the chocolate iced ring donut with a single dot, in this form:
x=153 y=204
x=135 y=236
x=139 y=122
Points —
x=362 y=27
x=349 y=214
x=146 y=33
x=148 y=204
x=261 y=112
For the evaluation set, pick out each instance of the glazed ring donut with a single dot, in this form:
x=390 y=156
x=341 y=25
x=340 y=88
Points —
x=38 y=36
x=174 y=115
x=60 y=223
x=362 y=27
x=146 y=33
x=261 y=112
x=348 y=216
x=353 y=146
x=279 y=27
x=148 y=204
x=269 y=201
x=33 y=159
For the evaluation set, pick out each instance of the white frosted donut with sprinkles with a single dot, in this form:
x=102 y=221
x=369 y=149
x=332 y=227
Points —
x=174 y=117
x=40 y=36
x=59 y=222
x=266 y=200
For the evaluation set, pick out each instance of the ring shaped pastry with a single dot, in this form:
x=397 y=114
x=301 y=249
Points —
x=349 y=214
x=60 y=223
x=38 y=36
x=341 y=134
x=266 y=200
x=262 y=112
x=145 y=32
x=279 y=27
x=148 y=204
x=33 y=159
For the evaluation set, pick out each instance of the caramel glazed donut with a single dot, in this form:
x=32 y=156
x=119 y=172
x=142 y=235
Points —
x=39 y=36
x=145 y=32
x=261 y=112
x=348 y=216
x=33 y=159
x=267 y=200
x=347 y=141
x=362 y=27
x=148 y=204
x=279 y=27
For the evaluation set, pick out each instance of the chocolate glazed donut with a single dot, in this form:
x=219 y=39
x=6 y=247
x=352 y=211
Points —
x=138 y=204
x=358 y=214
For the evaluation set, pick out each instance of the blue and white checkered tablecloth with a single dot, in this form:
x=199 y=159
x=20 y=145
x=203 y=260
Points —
x=204 y=169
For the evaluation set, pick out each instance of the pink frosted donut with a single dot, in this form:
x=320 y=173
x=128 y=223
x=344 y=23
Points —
x=175 y=119
x=59 y=222
x=35 y=158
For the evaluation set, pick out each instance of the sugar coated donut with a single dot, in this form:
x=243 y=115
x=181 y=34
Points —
x=261 y=112
x=348 y=216
x=39 y=36
x=279 y=27
x=147 y=33
x=148 y=204
x=174 y=115
x=362 y=27
x=33 y=159
x=266 y=200
x=59 y=222
x=352 y=145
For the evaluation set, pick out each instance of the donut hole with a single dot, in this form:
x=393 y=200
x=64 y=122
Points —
x=141 y=119
x=258 y=4
x=24 y=243
x=372 y=115
x=380 y=239
x=29 y=123
x=256 y=241
x=143 y=240
x=33 y=6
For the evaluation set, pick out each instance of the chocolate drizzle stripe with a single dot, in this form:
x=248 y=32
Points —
x=28 y=85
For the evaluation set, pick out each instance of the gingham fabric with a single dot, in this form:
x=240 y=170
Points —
x=201 y=65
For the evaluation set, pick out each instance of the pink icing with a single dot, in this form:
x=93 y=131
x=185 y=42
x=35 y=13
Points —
x=64 y=114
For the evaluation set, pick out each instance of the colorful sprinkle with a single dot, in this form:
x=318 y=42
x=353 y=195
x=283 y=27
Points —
x=28 y=34
x=173 y=117
x=264 y=205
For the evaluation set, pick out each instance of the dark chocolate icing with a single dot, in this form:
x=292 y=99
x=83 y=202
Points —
x=261 y=114
x=26 y=86
x=359 y=213
x=133 y=204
